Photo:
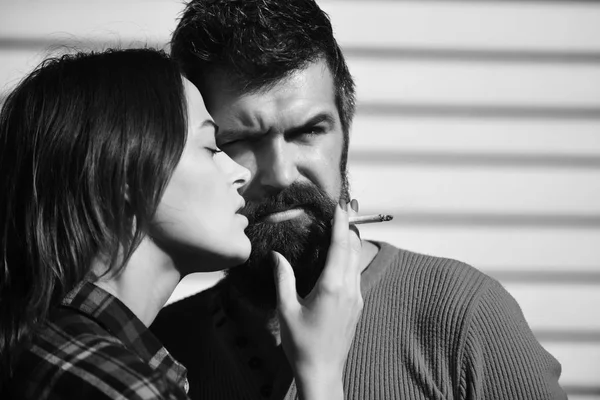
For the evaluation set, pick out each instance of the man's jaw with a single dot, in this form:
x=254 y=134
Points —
x=304 y=246
x=296 y=223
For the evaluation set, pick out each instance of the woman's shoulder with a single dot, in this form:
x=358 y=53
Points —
x=81 y=360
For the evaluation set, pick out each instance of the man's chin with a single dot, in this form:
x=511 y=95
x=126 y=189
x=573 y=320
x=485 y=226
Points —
x=303 y=244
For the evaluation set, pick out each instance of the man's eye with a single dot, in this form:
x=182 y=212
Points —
x=315 y=130
x=309 y=132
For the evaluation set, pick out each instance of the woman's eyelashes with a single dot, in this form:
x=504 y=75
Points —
x=214 y=150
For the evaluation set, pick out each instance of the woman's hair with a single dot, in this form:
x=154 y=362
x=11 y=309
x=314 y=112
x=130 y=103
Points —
x=88 y=142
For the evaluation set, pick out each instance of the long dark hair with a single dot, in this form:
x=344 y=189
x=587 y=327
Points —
x=88 y=142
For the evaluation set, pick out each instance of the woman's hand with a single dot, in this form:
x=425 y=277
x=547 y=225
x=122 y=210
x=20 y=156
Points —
x=317 y=331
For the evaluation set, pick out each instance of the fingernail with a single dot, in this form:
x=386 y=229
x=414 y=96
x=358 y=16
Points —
x=354 y=205
x=343 y=205
x=274 y=259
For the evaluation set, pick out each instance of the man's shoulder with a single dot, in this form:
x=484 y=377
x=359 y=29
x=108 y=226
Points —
x=407 y=263
x=426 y=293
x=425 y=278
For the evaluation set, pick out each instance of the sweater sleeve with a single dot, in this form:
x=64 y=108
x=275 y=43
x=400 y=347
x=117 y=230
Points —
x=501 y=358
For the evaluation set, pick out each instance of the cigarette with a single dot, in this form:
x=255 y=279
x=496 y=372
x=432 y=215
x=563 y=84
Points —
x=369 y=219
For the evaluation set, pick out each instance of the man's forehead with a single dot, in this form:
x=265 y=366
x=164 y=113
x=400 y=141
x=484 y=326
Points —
x=222 y=88
x=290 y=102
x=224 y=79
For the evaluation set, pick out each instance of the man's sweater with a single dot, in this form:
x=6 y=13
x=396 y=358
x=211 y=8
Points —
x=431 y=328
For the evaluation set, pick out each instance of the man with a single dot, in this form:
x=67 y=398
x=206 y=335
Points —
x=276 y=83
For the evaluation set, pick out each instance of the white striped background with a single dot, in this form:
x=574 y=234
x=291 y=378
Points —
x=478 y=127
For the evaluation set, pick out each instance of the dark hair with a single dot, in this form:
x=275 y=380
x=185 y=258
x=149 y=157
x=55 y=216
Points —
x=88 y=142
x=257 y=43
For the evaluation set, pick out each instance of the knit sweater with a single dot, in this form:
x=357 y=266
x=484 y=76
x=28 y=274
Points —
x=431 y=328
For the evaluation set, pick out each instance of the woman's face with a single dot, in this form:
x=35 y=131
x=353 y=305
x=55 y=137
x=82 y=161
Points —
x=197 y=220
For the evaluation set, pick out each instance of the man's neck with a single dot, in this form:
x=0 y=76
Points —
x=261 y=323
x=367 y=254
x=261 y=327
x=255 y=321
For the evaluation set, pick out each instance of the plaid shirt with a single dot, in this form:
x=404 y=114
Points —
x=94 y=347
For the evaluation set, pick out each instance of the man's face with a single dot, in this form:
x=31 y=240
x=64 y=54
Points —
x=290 y=138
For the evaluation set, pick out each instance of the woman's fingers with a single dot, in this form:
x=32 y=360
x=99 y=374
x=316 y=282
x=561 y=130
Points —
x=317 y=330
x=353 y=271
x=354 y=236
x=285 y=282
x=343 y=252
x=354 y=205
x=334 y=270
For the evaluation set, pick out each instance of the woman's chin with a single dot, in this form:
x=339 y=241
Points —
x=231 y=259
x=236 y=260
x=218 y=256
x=241 y=253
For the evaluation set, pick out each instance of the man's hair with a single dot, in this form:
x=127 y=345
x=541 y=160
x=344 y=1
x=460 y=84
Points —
x=88 y=142
x=257 y=43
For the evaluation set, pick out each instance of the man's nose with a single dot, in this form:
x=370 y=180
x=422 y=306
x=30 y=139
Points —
x=277 y=165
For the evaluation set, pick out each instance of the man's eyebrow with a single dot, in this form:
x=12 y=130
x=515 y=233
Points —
x=317 y=119
x=232 y=134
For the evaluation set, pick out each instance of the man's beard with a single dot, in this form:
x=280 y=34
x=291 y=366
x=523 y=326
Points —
x=303 y=244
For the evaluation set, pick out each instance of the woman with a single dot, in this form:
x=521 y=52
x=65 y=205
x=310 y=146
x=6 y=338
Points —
x=113 y=189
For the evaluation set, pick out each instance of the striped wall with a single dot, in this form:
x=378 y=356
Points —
x=478 y=127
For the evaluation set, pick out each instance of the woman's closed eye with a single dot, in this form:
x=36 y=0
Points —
x=214 y=150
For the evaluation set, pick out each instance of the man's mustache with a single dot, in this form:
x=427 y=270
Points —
x=308 y=197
